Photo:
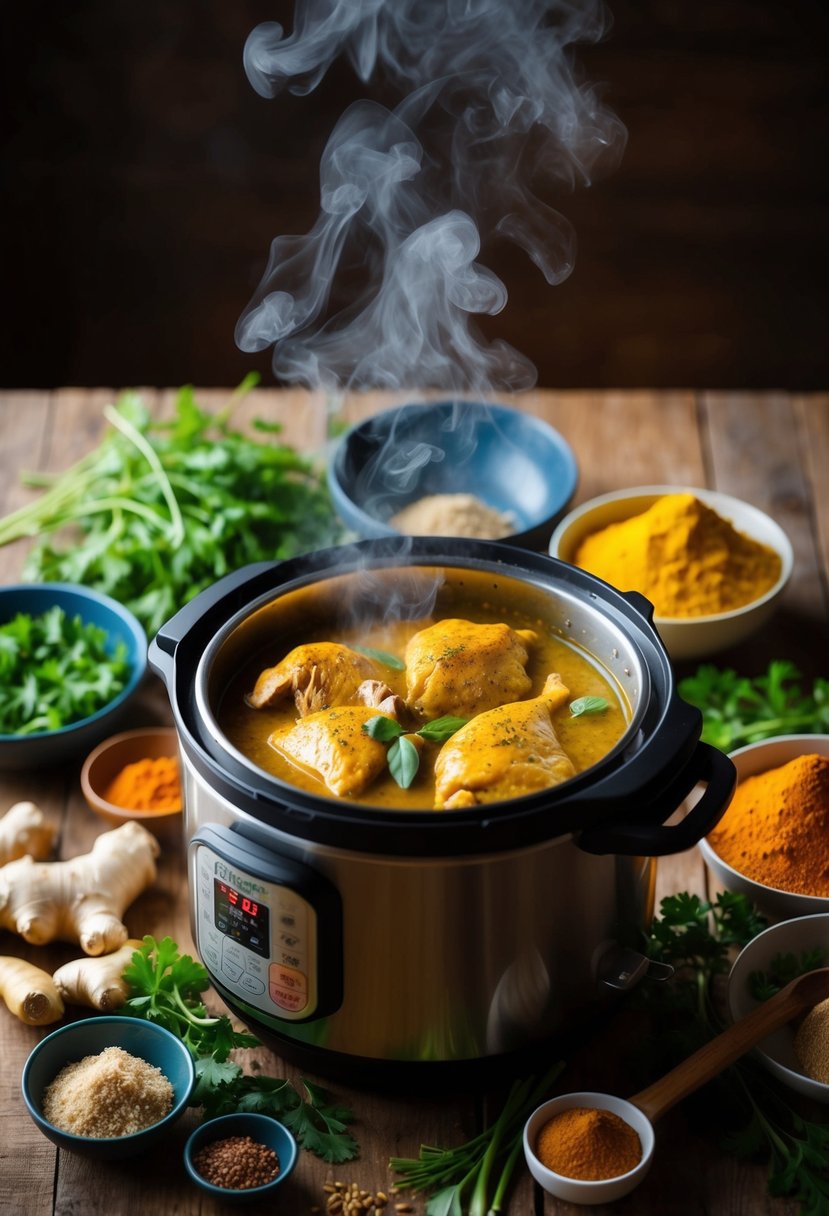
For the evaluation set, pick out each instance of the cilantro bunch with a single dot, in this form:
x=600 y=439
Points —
x=695 y=937
x=738 y=709
x=163 y=508
x=165 y=987
x=56 y=669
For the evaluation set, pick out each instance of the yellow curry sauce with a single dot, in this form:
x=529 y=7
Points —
x=585 y=739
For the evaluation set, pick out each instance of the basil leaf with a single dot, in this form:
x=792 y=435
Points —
x=588 y=705
x=404 y=761
x=382 y=656
x=441 y=729
x=382 y=728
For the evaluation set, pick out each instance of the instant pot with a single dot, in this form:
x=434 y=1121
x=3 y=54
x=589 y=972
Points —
x=358 y=940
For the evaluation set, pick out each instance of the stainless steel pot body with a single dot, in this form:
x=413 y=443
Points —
x=396 y=936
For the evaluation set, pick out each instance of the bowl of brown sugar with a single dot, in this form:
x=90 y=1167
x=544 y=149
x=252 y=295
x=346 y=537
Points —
x=108 y=1087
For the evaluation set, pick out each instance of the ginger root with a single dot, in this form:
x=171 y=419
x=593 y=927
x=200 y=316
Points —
x=29 y=992
x=97 y=982
x=23 y=830
x=81 y=900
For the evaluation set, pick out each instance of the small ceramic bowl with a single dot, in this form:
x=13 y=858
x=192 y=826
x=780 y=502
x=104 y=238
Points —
x=686 y=637
x=261 y=1128
x=104 y=763
x=509 y=459
x=804 y=933
x=89 y=1037
x=776 y=905
x=70 y=742
x=579 y=1190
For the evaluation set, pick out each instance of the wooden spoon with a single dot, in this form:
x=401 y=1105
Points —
x=802 y=993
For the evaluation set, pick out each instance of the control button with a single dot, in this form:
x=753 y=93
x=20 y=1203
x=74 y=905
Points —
x=251 y=984
x=290 y=940
x=291 y=960
x=254 y=965
x=231 y=969
x=210 y=955
x=288 y=978
x=293 y=1002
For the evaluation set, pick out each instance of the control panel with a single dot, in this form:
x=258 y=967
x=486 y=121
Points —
x=267 y=928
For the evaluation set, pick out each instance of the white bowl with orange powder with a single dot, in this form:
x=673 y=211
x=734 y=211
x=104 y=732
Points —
x=724 y=552
x=136 y=776
x=772 y=843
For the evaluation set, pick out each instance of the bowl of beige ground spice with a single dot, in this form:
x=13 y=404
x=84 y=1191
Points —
x=108 y=1086
x=798 y=1053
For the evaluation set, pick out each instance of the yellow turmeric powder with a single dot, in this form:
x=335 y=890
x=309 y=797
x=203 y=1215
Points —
x=776 y=828
x=683 y=556
x=588 y=1143
x=147 y=785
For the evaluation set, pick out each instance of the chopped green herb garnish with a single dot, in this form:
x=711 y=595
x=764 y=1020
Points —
x=403 y=757
x=782 y=969
x=588 y=705
x=382 y=656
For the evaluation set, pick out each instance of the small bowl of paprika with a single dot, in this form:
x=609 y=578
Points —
x=588 y=1148
x=772 y=843
x=136 y=776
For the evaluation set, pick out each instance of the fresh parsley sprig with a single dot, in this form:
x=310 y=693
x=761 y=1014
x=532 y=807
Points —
x=738 y=709
x=166 y=987
x=402 y=757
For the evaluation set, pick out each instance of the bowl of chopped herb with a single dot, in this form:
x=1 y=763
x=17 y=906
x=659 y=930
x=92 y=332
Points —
x=71 y=659
x=798 y=1053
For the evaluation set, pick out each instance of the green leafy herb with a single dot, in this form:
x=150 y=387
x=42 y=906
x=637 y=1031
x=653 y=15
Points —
x=56 y=670
x=382 y=656
x=403 y=757
x=164 y=508
x=782 y=969
x=695 y=936
x=587 y=705
x=737 y=709
x=473 y=1178
x=165 y=987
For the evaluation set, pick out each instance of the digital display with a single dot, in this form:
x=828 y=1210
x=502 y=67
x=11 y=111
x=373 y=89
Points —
x=241 y=918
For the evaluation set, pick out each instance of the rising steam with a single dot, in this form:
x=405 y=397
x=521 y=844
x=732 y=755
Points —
x=490 y=111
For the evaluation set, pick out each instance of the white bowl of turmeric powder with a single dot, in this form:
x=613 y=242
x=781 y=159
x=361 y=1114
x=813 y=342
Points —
x=714 y=567
x=772 y=843
x=135 y=775
x=798 y=1053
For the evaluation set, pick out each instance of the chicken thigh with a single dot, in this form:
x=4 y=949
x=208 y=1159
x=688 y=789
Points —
x=504 y=753
x=462 y=668
x=318 y=675
x=334 y=747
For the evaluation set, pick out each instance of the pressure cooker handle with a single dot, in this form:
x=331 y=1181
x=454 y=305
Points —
x=657 y=839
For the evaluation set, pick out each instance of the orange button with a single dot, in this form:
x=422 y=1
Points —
x=293 y=1002
x=288 y=978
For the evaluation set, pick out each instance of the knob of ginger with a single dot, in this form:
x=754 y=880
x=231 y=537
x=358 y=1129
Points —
x=23 y=830
x=81 y=900
x=29 y=992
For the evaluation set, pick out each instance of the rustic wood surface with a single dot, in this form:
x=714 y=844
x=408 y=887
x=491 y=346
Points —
x=771 y=449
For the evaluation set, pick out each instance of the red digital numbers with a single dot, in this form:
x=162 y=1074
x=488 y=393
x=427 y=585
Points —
x=250 y=907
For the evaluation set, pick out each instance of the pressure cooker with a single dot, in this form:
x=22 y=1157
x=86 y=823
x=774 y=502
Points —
x=358 y=939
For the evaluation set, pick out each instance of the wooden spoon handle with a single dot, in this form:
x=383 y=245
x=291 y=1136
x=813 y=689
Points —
x=800 y=994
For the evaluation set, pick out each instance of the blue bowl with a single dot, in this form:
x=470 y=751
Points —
x=511 y=460
x=262 y=1128
x=89 y=1037
x=74 y=741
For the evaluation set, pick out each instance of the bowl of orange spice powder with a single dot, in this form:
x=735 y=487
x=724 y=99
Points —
x=136 y=775
x=772 y=843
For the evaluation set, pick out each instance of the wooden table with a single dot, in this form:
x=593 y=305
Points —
x=771 y=449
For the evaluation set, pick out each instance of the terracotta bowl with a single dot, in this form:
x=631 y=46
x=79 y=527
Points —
x=104 y=763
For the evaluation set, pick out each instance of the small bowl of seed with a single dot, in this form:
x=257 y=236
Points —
x=241 y=1156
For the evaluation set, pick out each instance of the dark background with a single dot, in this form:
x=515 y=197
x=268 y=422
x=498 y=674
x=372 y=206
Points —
x=143 y=180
